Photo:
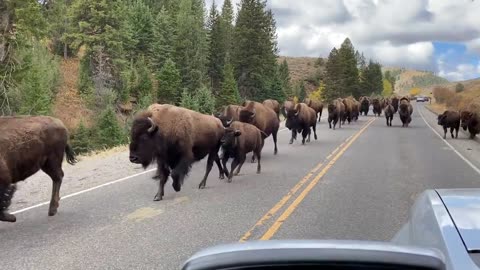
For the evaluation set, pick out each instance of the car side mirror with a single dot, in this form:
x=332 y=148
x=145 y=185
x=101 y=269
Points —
x=325 y=255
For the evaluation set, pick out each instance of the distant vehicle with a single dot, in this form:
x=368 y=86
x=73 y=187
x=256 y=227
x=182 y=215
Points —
x=422 y=99
x=443 y=233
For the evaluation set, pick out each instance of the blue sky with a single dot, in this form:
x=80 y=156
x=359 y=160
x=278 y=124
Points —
x=438 y=35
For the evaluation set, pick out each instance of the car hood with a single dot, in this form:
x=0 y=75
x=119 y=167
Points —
x=463 y=206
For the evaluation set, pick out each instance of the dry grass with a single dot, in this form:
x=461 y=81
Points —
x=437 y=108
x=99 y=154
x=469 y=99
x=69 y=106
x=300 y=67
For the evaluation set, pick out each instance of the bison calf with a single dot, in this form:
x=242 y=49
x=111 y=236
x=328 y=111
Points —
x=449 y=119
x=27 y=145
x=238 y=140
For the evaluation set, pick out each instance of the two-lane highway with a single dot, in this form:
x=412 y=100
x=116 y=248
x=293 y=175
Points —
x=356 y=182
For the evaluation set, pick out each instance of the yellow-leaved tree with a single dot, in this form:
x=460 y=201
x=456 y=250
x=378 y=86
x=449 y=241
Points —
x=415 y=91
x=317 y=94
x=387 y=88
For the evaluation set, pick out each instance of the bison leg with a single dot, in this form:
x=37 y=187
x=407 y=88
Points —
x=224 y=164
x=451 y=132
x=456 y=132
x=329 y=123
x=445 y=130
x=6 y=195
x=162 y=172
x=315 y=131
x=294 y=133
x=240 y=163
x=53 y=168
x=259 y=157
x=274 y=135
x=220 y=168
x=211 y=158
x=234 y=165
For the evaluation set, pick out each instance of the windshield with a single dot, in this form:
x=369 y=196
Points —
x=136 y=133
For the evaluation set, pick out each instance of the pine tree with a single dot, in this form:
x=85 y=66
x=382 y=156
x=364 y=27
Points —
x=254 y=51
x=371 y=79
x=391 y=79
x=144 y=85
x=349 y=76
x=164 y=37
x=303 y=94
x=284 y=74
x=216 y=55
x=226 y=26
x=141 y=24
x=333 y=80
x=191 y=44
x=169 y=82
x=229 y=91
x=109 y=131
x=82 y=139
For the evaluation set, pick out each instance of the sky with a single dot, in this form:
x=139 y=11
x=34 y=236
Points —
x=442 y=36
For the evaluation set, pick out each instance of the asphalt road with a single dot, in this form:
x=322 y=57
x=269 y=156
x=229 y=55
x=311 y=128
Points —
x=356 y=182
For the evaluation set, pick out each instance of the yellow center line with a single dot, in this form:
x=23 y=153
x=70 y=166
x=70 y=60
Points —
x=286 y=214
x=290 y=193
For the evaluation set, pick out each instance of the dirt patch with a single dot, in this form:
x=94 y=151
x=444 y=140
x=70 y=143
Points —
x=69 y=105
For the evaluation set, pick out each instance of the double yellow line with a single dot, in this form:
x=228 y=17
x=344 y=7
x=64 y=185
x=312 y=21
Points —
x=337 y=153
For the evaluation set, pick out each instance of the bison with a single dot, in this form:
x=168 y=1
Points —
x=364 y=105
x=395 y=102
x=301 y=119
x=355 y=110
x=317 y=106
x=471 y=121
x=389 y=112
x=405 y=111
x=175 y=138
x=27 y=145
x=274 y=105
x=263 y=118
x=449 y=119
x=238 y=140
x=336 y=110
x=349 y=110
x=232 y=112
x=377 y=107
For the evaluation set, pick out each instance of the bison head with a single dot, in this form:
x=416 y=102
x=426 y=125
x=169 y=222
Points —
x=143 y=141
x=465 y=118
x=441 y=119
x=247 y=116
x=331 y=108
x=229 y=139
x=226 y=121
x=292 y=117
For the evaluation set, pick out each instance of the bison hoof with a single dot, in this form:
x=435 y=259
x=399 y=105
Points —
x=201 y=186
x=229 y=180
x=157 y=198
x=52 y=212
x=221 y=176
x=7 y=217
x=258 y=172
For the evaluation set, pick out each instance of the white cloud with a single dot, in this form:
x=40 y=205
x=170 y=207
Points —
x=394 y=32
x=460 y=72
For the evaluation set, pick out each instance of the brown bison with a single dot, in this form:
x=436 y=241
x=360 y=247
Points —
x=232 y=112
x=389 y=112
x=364 y=105
x=336 y=111
x=27 y=145
x=355 y=110
x=274 y=105
x=263 y=118
x=349 y=110
x=317 y=106
x=377 y=107
x=175 y=138
x=238 y=140
x=449 y=119
x=405 y=111
x=471 y=121
x=287 y=105
x=395 y=103
x=301 y=119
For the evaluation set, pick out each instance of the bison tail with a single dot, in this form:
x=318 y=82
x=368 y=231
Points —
x=70 y=155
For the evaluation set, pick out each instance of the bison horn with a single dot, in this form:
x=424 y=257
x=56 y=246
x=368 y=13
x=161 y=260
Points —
x=254 y=113
x=229 y=121
x=153 y=127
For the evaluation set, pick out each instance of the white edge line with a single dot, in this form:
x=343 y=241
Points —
x=449 y=145
x=83 y=191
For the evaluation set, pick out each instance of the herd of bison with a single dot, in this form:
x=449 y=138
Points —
x=174 y=138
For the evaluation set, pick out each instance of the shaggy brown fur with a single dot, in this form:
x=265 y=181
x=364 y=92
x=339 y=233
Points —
x=349 y=110
x=389 y=112
x=449 y=119
x=405 y=111
x=274 y=105
x=471 y=121
x=263 y=118
x=395 y=103
x=175 y=137
x=336 y=110
x=239 y=140
x=317 y=106
x=301 y=119
x=27 y=145
x=377 y=107
x=232 y=112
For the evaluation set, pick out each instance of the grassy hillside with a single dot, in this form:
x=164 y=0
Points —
x=300 y=67
x=408 y=79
